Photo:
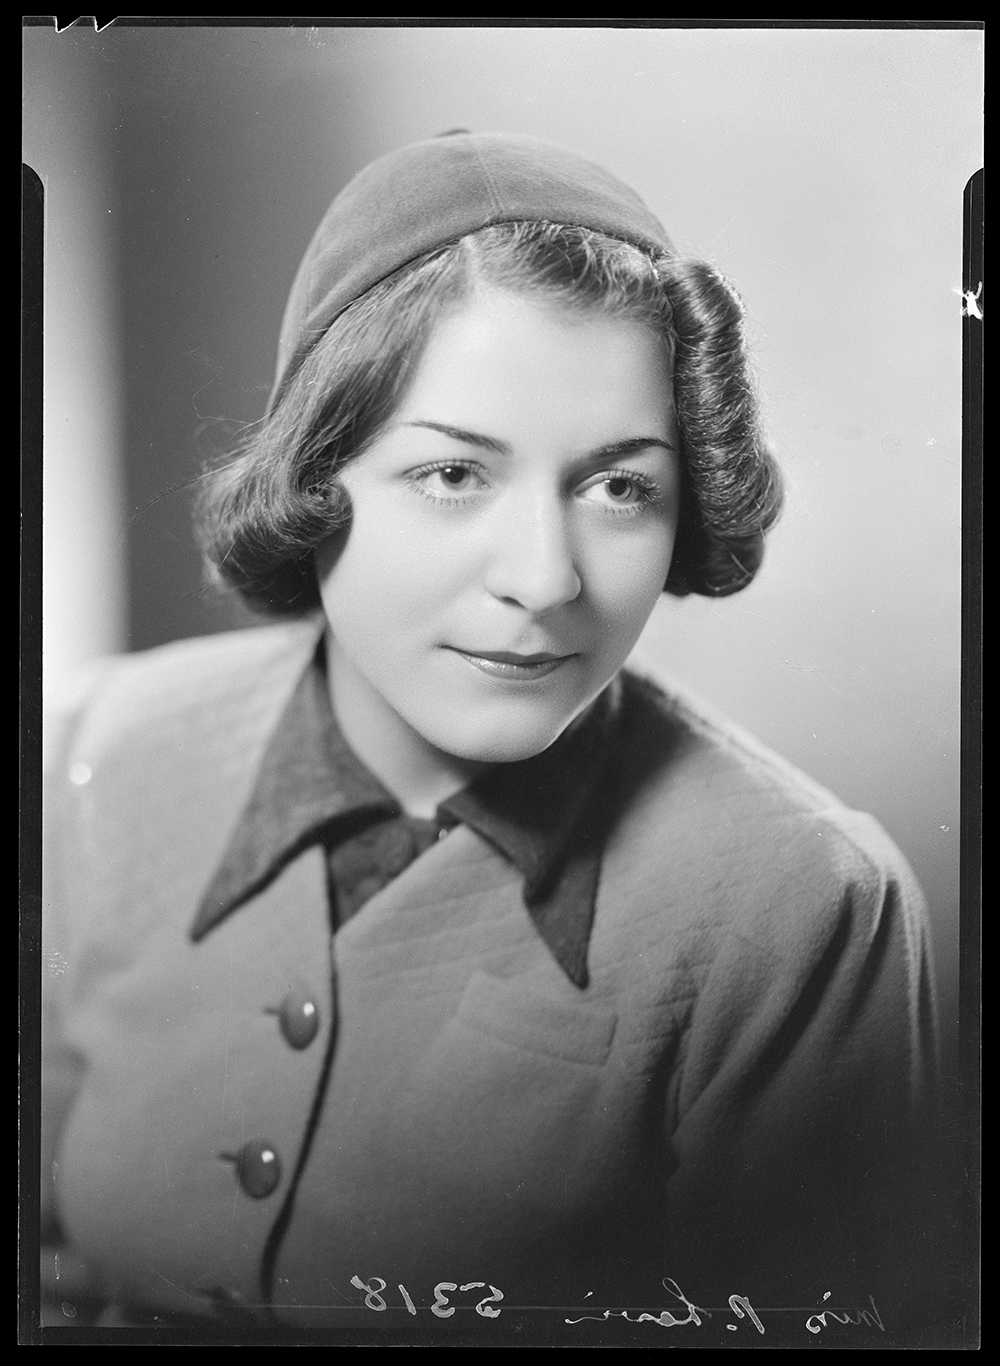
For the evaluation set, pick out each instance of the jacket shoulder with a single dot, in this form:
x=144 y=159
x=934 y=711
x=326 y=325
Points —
x=712 y=806
x=669 y=721
x=140 y=699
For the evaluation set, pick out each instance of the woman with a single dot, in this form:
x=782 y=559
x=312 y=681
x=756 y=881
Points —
x=412 y=942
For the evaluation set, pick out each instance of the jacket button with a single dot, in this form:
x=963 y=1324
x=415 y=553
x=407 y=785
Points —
x=258 y=1168
x=298 y=1017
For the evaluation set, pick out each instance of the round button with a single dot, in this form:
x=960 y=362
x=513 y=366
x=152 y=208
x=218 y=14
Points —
x=258 y=1168
x=298 y=1017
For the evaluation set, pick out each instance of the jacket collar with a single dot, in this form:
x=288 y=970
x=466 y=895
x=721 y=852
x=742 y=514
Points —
x=543 y=815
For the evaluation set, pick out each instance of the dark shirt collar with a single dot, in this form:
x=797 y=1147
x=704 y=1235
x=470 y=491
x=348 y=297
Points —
x=543 y=814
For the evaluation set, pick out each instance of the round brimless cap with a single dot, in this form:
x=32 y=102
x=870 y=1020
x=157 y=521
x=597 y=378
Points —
x=429 y=194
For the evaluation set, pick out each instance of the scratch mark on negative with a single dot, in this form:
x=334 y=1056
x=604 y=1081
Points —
x=339 y=1293
x=173 y=1284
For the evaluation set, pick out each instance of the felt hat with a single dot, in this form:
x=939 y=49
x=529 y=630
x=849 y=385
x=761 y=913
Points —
x=431 y=193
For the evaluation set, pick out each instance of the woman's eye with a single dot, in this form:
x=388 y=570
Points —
x=621 y=491
x=455 y=476
x=447 y=481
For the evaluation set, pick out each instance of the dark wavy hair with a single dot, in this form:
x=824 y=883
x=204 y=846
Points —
x=262 y=514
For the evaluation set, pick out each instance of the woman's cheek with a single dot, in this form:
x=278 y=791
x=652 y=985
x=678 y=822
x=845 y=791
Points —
x=625 y=581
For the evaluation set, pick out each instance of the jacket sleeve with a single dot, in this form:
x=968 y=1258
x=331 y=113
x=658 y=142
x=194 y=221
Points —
x=804 y=1143
x=70 y=1291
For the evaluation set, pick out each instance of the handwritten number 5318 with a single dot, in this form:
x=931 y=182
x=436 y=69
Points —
x=440 y=1307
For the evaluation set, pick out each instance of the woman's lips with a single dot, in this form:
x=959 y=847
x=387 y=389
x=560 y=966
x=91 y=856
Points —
x=506 y=664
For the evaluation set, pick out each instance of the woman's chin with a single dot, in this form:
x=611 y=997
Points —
x=497 y=744
x=498 y=729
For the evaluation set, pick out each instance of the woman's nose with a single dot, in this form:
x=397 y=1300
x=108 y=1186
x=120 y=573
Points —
x=533 y=562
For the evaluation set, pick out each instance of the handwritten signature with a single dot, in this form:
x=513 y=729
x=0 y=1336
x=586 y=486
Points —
x=666 y=1318
x=741 y=1307
x=817 y=1322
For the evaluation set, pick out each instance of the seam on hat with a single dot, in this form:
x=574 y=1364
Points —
x=491 y=184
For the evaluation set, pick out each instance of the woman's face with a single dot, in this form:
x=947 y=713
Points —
x=511 y=531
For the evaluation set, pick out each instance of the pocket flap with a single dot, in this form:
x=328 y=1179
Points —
x=506 y=1011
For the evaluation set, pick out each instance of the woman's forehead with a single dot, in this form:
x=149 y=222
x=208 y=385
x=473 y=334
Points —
x=511 y=349
x=515 y=372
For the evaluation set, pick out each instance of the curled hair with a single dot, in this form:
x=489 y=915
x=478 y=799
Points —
x=732 y=485
x=262 y=514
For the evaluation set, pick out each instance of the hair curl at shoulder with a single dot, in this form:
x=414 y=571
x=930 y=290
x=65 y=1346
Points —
x=261 y=514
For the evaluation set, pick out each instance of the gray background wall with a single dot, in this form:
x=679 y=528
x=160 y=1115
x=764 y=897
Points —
x=186 y=168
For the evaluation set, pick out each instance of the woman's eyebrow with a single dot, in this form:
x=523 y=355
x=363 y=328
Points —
x=488 y=443
x=629 y=446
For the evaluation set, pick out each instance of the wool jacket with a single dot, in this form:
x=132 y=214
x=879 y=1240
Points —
x=737 y=1099
x=544 y=814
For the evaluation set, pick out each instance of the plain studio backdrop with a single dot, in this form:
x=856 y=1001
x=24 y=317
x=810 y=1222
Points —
x=185 y=169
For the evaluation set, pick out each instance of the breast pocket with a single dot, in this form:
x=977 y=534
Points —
x=512 y=1100
x=506 y=1013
